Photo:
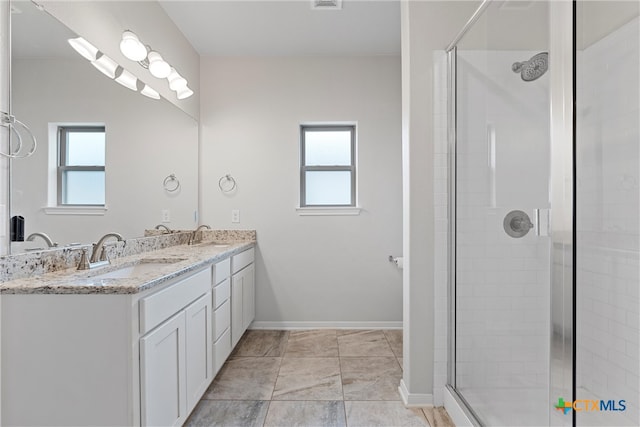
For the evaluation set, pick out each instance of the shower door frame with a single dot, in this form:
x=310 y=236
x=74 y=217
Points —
x=562 y=219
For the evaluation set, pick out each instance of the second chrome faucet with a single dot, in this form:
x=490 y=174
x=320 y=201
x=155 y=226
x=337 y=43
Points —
x=98 y=254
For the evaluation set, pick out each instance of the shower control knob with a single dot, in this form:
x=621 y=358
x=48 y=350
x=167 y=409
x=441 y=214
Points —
x=517 y=224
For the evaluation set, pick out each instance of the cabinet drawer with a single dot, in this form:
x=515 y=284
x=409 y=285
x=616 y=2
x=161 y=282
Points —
x=240 y=261
x=221 y=293
x=221 y=350
x=221 y=270
x=158 y=307
x=222 y=319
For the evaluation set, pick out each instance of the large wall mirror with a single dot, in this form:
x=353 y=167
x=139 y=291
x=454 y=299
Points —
x=147 y=142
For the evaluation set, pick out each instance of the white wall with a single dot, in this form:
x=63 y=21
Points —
x=146 y=141
x=427 y=27
x=309 y=268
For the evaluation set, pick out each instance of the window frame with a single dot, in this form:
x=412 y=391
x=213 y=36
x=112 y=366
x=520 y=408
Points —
x=325 y=168
x=62 y=167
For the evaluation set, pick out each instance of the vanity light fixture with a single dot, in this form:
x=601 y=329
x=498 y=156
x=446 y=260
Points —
x=84 y=48
x=158 y=67
x=148 y=92
x=110 y=68
x=106 y=66
x=127 y=80
x=176 y=81
x=184 y=93
x=132 y=47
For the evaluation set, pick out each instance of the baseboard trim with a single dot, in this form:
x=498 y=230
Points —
x=325 y=325
x=414 y=400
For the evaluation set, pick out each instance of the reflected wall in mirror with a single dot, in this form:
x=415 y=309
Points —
x=146 y=141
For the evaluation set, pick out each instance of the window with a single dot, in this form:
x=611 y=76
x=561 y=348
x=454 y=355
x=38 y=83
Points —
x=81 y=159
x=328 y=171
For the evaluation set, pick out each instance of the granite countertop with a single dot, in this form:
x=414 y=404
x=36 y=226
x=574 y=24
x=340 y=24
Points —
x=179 y=259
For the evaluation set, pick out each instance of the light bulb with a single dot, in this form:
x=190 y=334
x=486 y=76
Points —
x=84 y=48
x=128 y=80
x=106 y=65
x=176 y=81
x=147 y=91
x=184 y=93
x=158 y=67
x=132 y=47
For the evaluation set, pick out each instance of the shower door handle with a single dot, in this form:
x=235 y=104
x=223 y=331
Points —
x=541 y=221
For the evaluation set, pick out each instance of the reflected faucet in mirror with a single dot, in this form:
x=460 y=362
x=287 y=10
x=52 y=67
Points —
x=166 y=229
x=192 y=238
x=44 y=236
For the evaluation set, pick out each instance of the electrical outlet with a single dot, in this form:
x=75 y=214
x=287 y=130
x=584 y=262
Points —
x=235 y=216
x=166 y=215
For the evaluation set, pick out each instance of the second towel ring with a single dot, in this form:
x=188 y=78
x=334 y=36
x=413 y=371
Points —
x=227 y=184
x=8 y=121
x=171 y=183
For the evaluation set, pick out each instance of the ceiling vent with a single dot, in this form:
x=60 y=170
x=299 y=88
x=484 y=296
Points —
x=326 y=4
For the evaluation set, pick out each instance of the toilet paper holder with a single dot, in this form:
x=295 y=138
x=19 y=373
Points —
x=398 y=261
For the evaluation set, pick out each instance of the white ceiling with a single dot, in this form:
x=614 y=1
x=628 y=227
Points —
x=285 y=28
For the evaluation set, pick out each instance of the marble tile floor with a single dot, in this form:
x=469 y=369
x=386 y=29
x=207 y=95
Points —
x=312 y=378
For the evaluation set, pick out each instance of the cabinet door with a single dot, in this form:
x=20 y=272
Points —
x=248 y=296
x=199 y=358
x=236 y=308
x=162 y=374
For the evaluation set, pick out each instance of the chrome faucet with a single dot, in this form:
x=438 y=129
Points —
x=159 y=226
x=46 y=238
x=100 y=247
x=192 y=238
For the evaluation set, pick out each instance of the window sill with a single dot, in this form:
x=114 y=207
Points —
x=75 y=210
x=330 y=210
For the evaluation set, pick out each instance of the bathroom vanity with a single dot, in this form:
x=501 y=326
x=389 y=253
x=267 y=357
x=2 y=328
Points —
x=135 y=343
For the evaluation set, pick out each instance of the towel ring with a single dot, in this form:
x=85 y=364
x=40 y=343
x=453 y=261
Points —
x=8 y=121
x=227 y=184
x=171 y=183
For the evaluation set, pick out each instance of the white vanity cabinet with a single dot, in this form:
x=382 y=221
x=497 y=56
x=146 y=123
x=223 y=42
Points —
x=120 y=359
x=175 y=357
x=221 y=313
x=242 y=293
x=163 y=374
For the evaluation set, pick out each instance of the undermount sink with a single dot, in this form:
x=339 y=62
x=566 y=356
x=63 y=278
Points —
x=215 y=244
x=142 y=267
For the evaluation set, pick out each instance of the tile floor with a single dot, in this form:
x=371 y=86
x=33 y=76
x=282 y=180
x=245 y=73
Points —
x=312 y=378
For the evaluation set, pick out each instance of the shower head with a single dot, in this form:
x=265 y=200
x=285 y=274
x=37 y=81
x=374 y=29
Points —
x=533 y=68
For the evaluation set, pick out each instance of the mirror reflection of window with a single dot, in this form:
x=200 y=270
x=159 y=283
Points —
x=81 y=171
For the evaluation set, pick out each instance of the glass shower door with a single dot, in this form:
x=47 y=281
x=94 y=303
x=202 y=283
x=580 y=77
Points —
x=608 y=208
x=502 y=255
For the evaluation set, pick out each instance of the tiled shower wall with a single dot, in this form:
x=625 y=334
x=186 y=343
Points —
x=502 y=282
x=608 y=197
